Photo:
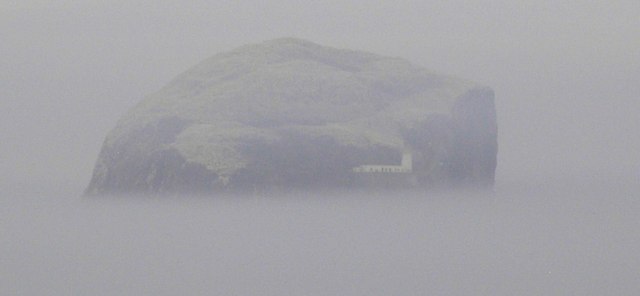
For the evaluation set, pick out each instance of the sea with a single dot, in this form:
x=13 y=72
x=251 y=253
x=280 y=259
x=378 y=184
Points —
x=558 y=237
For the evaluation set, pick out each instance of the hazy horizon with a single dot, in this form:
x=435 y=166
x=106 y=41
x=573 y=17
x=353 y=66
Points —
x=566 y=76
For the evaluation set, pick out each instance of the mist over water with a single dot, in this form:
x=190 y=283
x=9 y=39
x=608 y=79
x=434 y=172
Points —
x=553 y=240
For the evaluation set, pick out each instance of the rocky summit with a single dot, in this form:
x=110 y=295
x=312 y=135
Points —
x=291 y=114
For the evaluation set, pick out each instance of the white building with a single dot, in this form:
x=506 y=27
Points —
x=405 y=167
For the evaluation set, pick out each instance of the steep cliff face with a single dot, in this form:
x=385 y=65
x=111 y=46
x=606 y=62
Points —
x=289 y=113
x=475 y=145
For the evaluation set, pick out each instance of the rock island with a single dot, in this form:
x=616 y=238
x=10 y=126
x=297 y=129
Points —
x=292 y=114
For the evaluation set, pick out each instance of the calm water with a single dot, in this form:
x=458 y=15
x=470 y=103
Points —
x=579 y=238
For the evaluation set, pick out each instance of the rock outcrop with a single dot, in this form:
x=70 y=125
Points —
x=289 y=113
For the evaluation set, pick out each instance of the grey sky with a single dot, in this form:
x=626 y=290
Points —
x=566 y=73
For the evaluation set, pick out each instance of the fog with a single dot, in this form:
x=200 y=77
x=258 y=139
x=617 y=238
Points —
x=563 y=219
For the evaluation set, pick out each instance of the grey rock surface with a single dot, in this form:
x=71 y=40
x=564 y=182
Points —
x=289 y=113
